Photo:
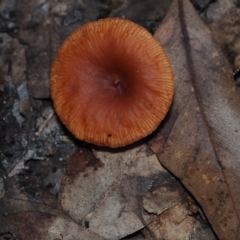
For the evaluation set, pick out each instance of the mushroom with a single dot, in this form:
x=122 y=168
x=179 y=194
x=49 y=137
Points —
x=111 y=82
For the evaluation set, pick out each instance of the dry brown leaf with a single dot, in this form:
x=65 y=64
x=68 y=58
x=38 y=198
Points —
x=28 y=220
x=200 y=141
x=107 y=192
x=179 y=222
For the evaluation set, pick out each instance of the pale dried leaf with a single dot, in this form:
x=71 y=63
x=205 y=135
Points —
x=179 y=222
x=107 y=195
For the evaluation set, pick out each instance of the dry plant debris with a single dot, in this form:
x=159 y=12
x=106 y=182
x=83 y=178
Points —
x=207 y=103
x=55 y=187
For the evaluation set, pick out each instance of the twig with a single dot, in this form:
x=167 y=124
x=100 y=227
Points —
x=44 y=124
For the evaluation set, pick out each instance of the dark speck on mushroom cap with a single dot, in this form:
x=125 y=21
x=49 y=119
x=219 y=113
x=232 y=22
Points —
x=111 y=82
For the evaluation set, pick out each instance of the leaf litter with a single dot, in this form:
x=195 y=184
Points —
x=206 y=102
x=111 y=194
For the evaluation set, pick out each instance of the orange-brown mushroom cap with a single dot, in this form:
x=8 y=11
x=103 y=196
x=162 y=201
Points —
x=111 y=82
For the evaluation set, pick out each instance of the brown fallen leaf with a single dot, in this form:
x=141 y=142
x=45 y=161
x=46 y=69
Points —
x=179 y=222
x=28 y=220
x=199 y=142
x=163 y=190
x=119 y=192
